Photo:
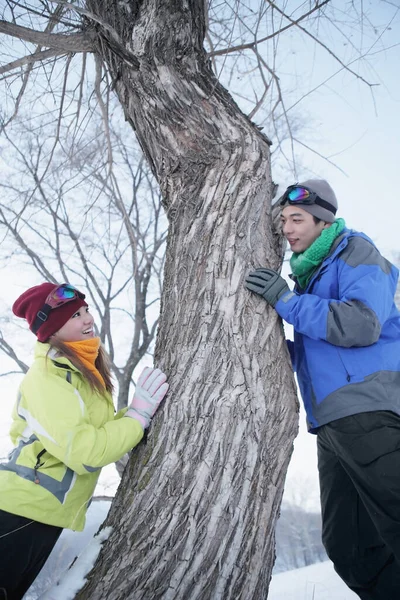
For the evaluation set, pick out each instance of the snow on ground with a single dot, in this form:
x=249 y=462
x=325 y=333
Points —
x=315 y=582
x=74 y=578
x=70 y=545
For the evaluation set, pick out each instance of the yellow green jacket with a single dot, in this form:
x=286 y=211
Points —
x=63 y=433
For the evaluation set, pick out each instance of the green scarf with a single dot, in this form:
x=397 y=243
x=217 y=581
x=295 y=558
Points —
x=305 y=263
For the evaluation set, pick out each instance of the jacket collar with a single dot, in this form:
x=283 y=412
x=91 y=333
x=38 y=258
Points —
x=338 y=245
x=44 y=350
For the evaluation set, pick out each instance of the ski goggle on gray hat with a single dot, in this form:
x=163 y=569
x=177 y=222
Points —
x=315 y=196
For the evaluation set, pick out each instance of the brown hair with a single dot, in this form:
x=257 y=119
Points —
x=102 y=364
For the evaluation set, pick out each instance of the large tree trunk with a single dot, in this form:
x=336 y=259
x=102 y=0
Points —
x=194 y=516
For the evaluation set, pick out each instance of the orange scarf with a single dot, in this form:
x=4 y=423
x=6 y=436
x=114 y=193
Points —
x=87 y=351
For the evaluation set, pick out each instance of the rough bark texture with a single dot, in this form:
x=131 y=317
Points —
x=195 y=514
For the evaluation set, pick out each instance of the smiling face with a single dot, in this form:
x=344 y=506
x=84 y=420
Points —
x=299 y=228
x=78 y=327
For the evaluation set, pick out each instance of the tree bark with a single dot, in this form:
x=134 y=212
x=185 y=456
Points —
x=194 y=516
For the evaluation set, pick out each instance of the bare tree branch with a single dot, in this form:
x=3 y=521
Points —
x=320 y=155
x=30 y=59
x=318 y=41
x=72 y=42
x=251 y=45
x=10 y=352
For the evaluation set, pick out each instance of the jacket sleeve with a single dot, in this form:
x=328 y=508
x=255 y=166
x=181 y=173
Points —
x=56 y=413
x=120 y=413
x=366 y=284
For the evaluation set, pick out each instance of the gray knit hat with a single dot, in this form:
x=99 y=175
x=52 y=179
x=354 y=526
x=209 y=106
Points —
x=325 y=192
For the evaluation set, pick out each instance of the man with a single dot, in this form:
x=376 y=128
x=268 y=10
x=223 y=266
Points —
x=346 y=353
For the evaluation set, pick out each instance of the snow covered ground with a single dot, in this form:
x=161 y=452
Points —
x=70 y=545
x=315 y=582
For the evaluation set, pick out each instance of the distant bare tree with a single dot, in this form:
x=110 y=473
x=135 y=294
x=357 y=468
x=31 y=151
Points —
x=298 y=538
x=76 y=220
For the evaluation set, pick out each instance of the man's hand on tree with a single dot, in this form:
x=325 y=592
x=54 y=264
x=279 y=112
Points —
x=150 y=390
x=268 y=284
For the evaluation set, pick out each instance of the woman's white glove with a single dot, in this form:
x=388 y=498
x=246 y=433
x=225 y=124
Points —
x=150 y=390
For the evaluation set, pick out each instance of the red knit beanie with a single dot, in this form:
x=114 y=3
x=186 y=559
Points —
x=31 y=301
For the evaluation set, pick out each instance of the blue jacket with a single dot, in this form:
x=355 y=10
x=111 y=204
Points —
x=346 y=349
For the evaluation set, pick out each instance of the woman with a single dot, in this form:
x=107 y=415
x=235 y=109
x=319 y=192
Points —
x=64 y=431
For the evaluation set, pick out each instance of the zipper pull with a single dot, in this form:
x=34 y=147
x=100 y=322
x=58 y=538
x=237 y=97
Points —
x=35 y=468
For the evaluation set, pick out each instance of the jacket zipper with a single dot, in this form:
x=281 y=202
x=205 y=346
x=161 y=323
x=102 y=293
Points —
x=36 y=467
x=348 y=376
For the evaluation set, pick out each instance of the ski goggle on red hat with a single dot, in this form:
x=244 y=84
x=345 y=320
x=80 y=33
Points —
x=60 y=295
x=298 y=194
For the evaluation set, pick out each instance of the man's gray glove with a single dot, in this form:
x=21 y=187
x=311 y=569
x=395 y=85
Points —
x=268 y=283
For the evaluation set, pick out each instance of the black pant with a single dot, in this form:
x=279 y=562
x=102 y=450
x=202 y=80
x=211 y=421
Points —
x=24 y=548
x=359 y=471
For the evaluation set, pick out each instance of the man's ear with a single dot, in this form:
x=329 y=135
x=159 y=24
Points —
x=326 y=225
